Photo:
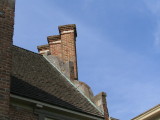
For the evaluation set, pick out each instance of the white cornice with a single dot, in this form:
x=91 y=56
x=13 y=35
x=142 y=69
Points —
x=69 y=31
x=43 y=51
x=55 y=42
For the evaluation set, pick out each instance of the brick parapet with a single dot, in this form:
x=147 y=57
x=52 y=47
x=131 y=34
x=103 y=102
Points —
x=100 y=101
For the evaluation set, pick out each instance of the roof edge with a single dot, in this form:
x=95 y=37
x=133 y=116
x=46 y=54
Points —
x=55 y=107
x=17 y=47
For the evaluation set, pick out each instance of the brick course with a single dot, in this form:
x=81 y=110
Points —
x=6 y=34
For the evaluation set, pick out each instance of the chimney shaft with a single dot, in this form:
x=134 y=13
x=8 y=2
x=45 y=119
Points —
x=6 y=33
x=68 y=42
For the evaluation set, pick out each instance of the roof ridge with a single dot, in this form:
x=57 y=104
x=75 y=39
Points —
x=17 y=47
x=75 y=86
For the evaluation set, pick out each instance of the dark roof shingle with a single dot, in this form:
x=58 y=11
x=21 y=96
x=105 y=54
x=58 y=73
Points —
x=36 y=78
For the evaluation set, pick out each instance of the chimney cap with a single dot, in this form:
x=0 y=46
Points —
x=67 y=28
x=43 y=47
x=53 y=38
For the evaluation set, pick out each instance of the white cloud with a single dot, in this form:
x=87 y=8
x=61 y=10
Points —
x=157 y=34
x=154 y=8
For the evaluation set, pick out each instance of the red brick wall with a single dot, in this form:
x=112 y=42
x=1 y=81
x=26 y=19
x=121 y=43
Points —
x=55 y=48
x=17 y=113
x=6 y=34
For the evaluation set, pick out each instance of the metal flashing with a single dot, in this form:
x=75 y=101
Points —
x=74 y=85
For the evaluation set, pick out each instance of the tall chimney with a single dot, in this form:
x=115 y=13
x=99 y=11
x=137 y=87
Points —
x=68 y=35
x=6 y=34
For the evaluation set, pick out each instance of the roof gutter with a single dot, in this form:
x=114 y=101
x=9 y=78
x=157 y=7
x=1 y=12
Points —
x=54 y=107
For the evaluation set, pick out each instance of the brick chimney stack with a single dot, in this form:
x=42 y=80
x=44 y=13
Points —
x=68 y=38
x=6 y=33
x=63 y=46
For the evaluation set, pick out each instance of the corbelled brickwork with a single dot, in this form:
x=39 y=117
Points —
x=6 y=34
x=63 y=46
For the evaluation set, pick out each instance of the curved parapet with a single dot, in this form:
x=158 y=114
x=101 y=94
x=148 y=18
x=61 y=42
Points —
x=84 y=88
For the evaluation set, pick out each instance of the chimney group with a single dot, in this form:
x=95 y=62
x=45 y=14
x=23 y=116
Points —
x=63 y=46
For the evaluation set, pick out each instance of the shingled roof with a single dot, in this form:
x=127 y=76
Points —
x=35 y=78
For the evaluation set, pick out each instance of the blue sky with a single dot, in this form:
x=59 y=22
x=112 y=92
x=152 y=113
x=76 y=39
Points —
x=118 y=45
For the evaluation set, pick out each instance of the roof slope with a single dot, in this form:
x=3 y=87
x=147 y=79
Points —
x=33 y=77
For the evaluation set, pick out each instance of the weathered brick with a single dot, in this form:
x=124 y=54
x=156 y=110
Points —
x=6 y=34
x=68 y=37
